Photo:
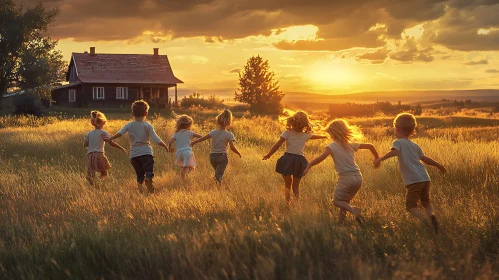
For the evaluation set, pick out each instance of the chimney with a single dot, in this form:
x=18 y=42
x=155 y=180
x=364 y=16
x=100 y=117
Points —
x=156 y=51
x=92 y=50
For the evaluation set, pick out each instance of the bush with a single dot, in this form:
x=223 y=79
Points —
x=196 y=100
x=28 y=104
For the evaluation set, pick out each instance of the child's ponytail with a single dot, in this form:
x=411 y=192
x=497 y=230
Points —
x=225 y=118
x=98 y=117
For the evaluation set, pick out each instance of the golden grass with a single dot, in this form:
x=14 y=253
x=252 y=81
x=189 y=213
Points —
x=53 y=225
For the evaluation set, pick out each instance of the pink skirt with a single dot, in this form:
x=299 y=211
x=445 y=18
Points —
x=97 y=162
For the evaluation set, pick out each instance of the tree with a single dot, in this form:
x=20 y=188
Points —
x=419 y=110
x=258 y=88
x=28 y=59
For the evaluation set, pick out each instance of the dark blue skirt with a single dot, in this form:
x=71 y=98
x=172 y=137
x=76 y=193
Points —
x=291 y=164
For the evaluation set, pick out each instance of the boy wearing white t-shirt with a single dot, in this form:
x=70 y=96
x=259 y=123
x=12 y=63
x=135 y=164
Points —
x=416 y=179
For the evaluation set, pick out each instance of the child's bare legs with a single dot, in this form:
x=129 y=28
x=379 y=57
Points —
x=103 y=175
x=288 y=181
x=91 y=178
x=342 y=216
x=296 y=187
x=346 y=207
x=184 y=172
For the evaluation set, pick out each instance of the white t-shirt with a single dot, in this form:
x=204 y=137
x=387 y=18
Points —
x=412 y=169
x=95 y=141
x=139 y=133
x=220 y=138
x=343 y=158
x=183 y=139
x=295 y=141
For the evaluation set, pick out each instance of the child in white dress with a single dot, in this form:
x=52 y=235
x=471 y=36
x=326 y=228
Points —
x=182 y=138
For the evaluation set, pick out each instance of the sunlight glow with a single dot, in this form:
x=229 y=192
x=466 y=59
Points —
x=296 y=33
x=331 y=74
x=414 y=32
x=486 y=31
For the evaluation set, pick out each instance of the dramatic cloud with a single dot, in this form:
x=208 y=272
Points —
x=492 y=71
x=463 y=25
x=235 y=70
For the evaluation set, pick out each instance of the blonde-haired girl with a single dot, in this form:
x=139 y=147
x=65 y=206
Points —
x=342 y=151
x=293 y=163
x=220 y=138
x=96 y=159
x=182 y=137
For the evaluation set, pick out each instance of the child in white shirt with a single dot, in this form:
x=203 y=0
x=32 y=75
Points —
x=182 y=137
x=220 y=139
x=342 y=151
x=293 y=163
x=416 y=179
x=96 y=159
x=141 y=155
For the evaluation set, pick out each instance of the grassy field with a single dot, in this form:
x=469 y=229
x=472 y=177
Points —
x=55 y=226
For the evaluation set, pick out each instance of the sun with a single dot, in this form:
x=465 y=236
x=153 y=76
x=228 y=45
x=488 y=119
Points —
x=331 y=74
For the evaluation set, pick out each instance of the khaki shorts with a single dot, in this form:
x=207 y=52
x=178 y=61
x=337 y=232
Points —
x=347 y=187
x=416 y=192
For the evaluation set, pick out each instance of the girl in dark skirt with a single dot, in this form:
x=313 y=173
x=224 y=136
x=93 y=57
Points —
x=292 y=164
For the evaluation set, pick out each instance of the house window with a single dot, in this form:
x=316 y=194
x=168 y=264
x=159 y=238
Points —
x=72 y=95
x=121 y=93
x=98 y=93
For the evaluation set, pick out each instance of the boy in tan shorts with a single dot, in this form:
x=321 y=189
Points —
x=416 y=179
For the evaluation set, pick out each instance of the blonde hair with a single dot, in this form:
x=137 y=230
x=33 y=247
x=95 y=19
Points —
x=225 y=118
x=140 y=108
x=406 y=122
x=98 y=118
x=183 y=122
x=299 y=122
x=344 y=133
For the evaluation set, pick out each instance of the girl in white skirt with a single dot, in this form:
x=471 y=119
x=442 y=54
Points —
x=342 y=151
x=182 y=137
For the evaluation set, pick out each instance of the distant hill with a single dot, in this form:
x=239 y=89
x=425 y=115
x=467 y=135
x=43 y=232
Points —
x=320 y=101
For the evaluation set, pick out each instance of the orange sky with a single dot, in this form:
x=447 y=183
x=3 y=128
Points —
x=317 y=46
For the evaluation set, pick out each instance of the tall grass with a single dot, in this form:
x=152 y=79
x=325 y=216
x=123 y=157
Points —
x=54 y=225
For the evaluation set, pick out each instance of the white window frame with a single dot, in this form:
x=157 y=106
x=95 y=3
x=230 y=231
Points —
x=98 y=93
x=122 y=93
x=72 y=95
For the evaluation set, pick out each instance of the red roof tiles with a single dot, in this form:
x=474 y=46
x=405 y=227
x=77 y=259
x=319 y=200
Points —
x=124 y=69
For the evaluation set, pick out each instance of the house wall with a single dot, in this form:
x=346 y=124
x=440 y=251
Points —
x=84 y=95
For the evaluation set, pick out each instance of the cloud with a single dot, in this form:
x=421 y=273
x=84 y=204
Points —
x=492 y=71
x=342 y=25
x=377 y=57
x=409 y=50
x=235 y=70
x=477 y=62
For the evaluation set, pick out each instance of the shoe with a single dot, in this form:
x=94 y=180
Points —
x=149 y=185
x=358 y=216
x=434 y=223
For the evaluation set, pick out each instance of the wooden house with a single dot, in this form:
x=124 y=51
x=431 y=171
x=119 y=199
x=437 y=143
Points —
x=116 y=80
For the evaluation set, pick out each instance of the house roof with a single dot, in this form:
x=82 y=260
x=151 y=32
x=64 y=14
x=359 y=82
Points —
x=123 y=68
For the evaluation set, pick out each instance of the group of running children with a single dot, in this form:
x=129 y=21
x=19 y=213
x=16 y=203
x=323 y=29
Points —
x=293 y=166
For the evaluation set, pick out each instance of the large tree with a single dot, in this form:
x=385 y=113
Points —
x=28 y=59
x=258 y=87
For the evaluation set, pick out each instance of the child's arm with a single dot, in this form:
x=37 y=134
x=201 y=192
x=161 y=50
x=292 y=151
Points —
x=162 y=144
x=206 y=137
x=197 y=135
x=274 y=148
x=109 y=139
x=317 y=160
x=317 y=137
x=432 y=162
x=117 y=146
x=85 y=143
x=170 y=143
x=392 y=153
x=234 y=149
x=371 y=148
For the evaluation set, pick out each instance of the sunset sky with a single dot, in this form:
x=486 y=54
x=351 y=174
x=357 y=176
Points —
x=317 y=46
